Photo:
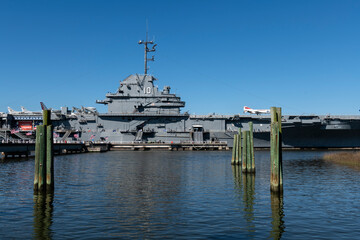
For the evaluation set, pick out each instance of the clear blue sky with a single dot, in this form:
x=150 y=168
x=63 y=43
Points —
x=303 y=56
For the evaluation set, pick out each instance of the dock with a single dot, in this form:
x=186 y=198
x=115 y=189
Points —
x=183 y=146
x=26 y=149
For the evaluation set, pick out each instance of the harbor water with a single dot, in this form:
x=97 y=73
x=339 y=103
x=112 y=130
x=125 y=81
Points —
x=180 y=195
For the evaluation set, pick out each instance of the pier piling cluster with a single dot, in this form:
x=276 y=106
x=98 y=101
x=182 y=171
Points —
x=243 y=150
x=44 y=156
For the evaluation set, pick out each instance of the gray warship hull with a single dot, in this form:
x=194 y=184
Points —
x=298 y=131
x=139 y=112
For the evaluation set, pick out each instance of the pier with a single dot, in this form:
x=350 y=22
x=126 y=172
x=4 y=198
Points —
x=26 y=149
x=183 y=146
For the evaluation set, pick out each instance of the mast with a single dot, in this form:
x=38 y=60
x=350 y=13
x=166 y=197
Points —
x=146 y=50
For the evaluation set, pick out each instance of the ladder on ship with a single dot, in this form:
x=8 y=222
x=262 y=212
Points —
x=67 y=134
x=3 y=135
x=21 y=136
x=139 y=135
x=135 y=124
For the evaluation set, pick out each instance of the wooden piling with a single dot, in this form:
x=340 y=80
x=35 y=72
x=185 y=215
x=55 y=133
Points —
x=248 y=152
x=46 y=117
x=37 y=156
x=278 y=112
x=276 y=182
x=49 y=159
x=234 y=151
x=239 y=147
x=42 y=158
x=251 y=137
x=244 y=153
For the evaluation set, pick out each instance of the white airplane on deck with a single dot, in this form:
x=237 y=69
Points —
x=256 y=111
x=11 y=111
x=24 y=110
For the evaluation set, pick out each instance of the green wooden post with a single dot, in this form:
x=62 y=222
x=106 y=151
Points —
x=273 y=150
x=274 y=177
x=276 y=184
x=37 y=157
x=46 y=117
x=233 y=151
x=278 y=112
x=49 y=159
x=244 y=153
x=252 y=165
x=42 y=158
x=237 y=150
x=248 y=152
x=239 y=147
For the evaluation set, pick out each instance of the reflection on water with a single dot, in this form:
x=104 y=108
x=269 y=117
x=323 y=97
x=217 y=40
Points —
x=245 y=186
x=248 y=197
x=43 y=213
x=277 y=210
x=180 y=195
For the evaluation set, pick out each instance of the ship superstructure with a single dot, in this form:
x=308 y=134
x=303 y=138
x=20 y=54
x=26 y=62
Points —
x=137 y=94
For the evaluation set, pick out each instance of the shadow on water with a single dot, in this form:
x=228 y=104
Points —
x=43 y=214
x=245 y=187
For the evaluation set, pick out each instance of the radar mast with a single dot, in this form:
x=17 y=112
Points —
x=146 y=59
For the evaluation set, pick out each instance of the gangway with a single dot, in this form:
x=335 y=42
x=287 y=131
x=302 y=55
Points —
x=67 y=134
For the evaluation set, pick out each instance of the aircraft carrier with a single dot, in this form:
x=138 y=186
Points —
x=139 y=112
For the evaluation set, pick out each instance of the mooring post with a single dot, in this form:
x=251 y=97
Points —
x=234 y=151
x=278 y=111
x=49 y=159
x=239 y=147
x=244 y=153
x=251 y=136
x=37 y=159
x=248 y=152
x=237 y=150
x=46 y=117
x=42 y=157
x=276 y=183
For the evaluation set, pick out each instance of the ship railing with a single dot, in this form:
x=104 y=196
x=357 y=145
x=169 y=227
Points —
x=21 y=141
x=205 y=142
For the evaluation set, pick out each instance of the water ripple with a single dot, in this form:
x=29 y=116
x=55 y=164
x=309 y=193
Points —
x=182 y=195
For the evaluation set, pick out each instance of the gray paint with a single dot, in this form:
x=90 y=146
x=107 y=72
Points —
x=139 y=111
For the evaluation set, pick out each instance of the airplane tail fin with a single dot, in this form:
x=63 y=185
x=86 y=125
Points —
x=43 y=107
